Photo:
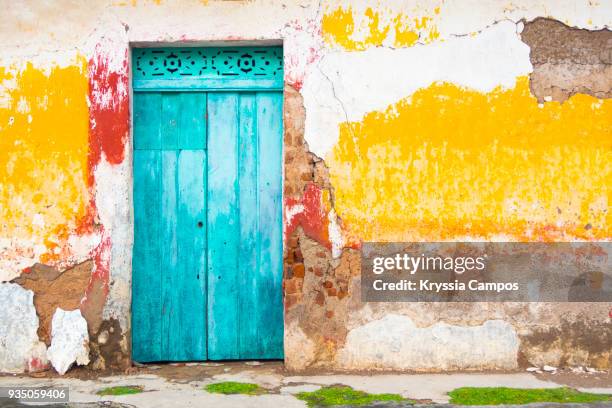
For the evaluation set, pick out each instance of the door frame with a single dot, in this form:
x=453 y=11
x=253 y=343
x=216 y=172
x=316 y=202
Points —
x=186 y=85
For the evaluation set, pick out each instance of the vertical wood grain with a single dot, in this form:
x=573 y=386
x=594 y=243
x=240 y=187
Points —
x=249 y=322
x=223 y=226
x=269 y=274
x=147 y=120
x=146 y=260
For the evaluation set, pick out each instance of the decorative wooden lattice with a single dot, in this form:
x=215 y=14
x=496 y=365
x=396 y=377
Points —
x=218 y=63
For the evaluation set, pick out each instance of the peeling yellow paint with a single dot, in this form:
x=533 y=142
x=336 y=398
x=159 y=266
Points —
x=450 y=162
x=376 y=27
x=43 y=153
x=404 y=37
x=338 y=27
x=377 y=33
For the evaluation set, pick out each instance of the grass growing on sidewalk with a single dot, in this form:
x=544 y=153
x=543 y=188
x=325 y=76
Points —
x=232 y=387
x=503 y=395
x=121 y=390
x=343 y=395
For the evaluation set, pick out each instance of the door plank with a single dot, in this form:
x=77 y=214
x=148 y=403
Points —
x=147 y=120
x=248 y=201
x=187 y=327
x=146 y=260
x=169 y=241
x=171 y=105
x=270 y=272
x=192 y=121
x=223 y=226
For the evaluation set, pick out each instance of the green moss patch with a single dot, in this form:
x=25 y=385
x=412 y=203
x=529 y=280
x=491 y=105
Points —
x=121 y=390
x=232 y=387
x=343 y=395
x=503 y=395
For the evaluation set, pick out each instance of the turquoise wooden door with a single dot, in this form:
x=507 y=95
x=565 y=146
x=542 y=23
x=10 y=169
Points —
x=207 y=258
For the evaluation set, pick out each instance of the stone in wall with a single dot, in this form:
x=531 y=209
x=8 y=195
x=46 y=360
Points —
x=109 y=346
x=319 y=296
x=567 y=60
x=69 y=340
x=20 y=349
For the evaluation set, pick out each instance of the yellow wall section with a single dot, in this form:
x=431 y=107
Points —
x=339 y=28
x=450 y=162
x=43 y=153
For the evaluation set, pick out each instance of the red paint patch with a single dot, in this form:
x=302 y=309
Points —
x=35 y=364
x=109 y=123
x=86 y=224
x=96 y=293
x=101 y=272
x=312 y=218
x=297 y=84
x=101 y=257
x=109 y=113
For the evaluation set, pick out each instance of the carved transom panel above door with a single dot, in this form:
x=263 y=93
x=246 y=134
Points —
x=232 y=62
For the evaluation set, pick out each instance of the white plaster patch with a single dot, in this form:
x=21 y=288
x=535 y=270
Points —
x=302 y=46
x=38 y=220
x=347 y=85
x=113 y=201
x=335 y=234
x=38 y=360
x=299 y=349
x=81 y=246
x=396 y=343
x=469 y=16
x=19 y=342
x=69 y=340
x=18 y=254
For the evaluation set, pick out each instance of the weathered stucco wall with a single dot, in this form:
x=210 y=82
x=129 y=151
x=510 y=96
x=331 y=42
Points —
x=404 y=120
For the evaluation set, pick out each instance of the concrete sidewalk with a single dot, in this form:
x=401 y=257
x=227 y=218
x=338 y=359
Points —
x=182 y=385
